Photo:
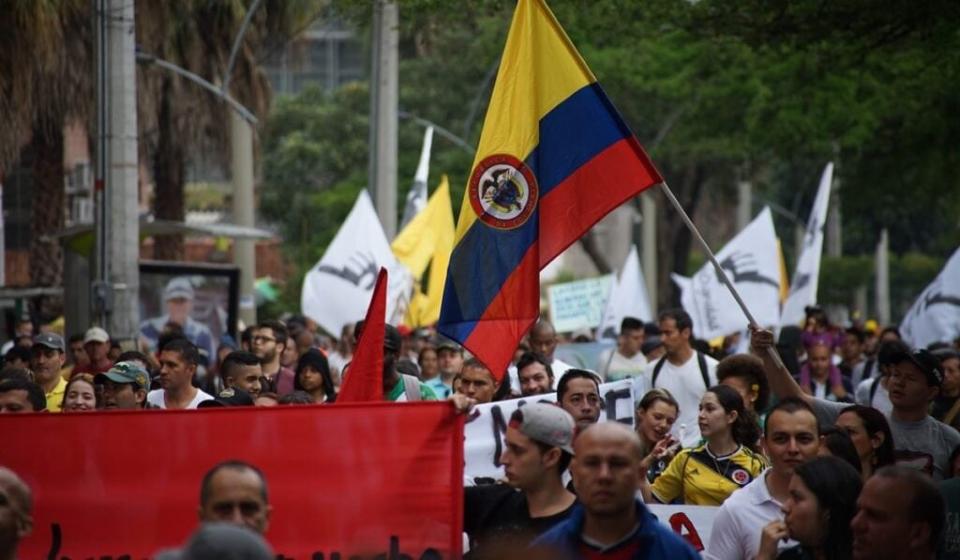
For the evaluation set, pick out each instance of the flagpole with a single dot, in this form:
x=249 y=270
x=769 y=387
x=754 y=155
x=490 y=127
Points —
x=716 y=264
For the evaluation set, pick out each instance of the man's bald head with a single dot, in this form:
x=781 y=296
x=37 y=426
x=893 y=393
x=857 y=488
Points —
x=16 y=506
x=606 y=470
x=543 y=339
x=613 y=432
x=17 y=490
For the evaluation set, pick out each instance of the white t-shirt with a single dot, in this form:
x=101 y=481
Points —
x=880 y=400
x=739 y=522
x=685 y=383
x=613 y=366
x=156 y=399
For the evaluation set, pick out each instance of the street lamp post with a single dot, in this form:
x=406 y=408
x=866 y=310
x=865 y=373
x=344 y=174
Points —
x=242 y=123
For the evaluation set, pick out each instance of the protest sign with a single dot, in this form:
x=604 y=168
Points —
x=693 y=523
x=487 y=423
x=579 y=304
x=356 y=479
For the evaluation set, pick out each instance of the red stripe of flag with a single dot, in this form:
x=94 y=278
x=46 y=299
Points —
x=574 y=205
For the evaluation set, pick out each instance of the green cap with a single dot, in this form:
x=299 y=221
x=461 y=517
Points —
x=126 y=372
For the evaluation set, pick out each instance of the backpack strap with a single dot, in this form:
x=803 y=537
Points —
x=873 y=390
x=952 y=414
x=656 y=371
x=411 y=387
x=702 y=362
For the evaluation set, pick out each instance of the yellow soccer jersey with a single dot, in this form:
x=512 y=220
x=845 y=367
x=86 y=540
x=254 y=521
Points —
x=703 y=479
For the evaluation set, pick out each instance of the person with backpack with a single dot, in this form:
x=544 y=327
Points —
x=683 y=371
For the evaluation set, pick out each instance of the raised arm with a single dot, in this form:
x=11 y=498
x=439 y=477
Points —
x=782 y=383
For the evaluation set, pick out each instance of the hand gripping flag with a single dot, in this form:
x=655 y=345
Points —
x=554 y=157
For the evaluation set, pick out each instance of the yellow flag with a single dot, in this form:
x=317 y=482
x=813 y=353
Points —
x=428 y=238
x=784 y=278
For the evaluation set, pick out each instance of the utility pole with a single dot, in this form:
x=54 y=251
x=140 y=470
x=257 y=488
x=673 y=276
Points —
x=244 y=250
x=383 y=114
x=118 y=227
x=883 y=278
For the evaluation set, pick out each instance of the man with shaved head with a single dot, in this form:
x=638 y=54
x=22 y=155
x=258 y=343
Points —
x=610 y=522
x=16 y=508
x=543 y=340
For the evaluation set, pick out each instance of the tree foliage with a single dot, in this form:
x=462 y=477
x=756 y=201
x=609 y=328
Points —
x=715 y=90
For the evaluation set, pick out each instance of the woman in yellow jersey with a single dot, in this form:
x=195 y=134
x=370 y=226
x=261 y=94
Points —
x=705 y=475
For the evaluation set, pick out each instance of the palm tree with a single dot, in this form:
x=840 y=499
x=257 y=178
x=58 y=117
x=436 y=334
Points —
x=46 y=52
x=176 y=116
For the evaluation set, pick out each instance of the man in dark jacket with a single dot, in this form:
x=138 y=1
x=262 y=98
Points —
x=611 y=522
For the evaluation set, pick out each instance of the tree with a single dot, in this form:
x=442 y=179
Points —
x=718 y=90
x=177 y=117
x=39 y=93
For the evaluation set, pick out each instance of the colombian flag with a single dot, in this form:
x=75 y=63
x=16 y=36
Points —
x=554 y=157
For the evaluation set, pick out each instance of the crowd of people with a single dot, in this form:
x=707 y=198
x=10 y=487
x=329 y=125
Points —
x=825 y=443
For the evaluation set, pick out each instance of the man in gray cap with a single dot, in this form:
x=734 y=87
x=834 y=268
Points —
x=538 y=449
x=178 y=299
x=125 y=386
x=46 y=361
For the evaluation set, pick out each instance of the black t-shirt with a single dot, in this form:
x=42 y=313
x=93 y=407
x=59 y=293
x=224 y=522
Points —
x=498 y=511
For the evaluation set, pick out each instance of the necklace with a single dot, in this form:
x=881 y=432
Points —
x=725 y=458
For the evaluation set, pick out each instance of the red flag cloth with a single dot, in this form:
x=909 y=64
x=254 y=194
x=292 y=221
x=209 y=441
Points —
x=364 y=380
x=127 y=484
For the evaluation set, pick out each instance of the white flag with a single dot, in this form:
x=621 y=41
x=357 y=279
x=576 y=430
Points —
x=935 y=316
x=752 y=263
x=803 y=288
x=337 y=290
x=628 y=298
x=417 y=196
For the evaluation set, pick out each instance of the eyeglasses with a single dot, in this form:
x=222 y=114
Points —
x=259 y=338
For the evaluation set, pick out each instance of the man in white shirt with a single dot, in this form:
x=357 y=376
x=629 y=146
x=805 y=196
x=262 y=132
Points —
x=790 y=438
x=686 y=373
x=626 y=360
x=178 y=364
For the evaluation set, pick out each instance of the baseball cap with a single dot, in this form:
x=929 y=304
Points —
x=547 y=423
x=178 y=288
x=229 y=397
x=126 y=372
x=391 y=338
x=446 y=344
x=929 y=364
x=50 y=340
x=96 y=334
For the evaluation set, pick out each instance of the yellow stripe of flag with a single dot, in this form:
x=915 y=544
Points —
x=539 y=69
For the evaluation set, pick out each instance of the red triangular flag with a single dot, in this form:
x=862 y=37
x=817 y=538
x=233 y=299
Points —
x=364 y=380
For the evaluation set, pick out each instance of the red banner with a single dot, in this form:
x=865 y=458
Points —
x=371 y=479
